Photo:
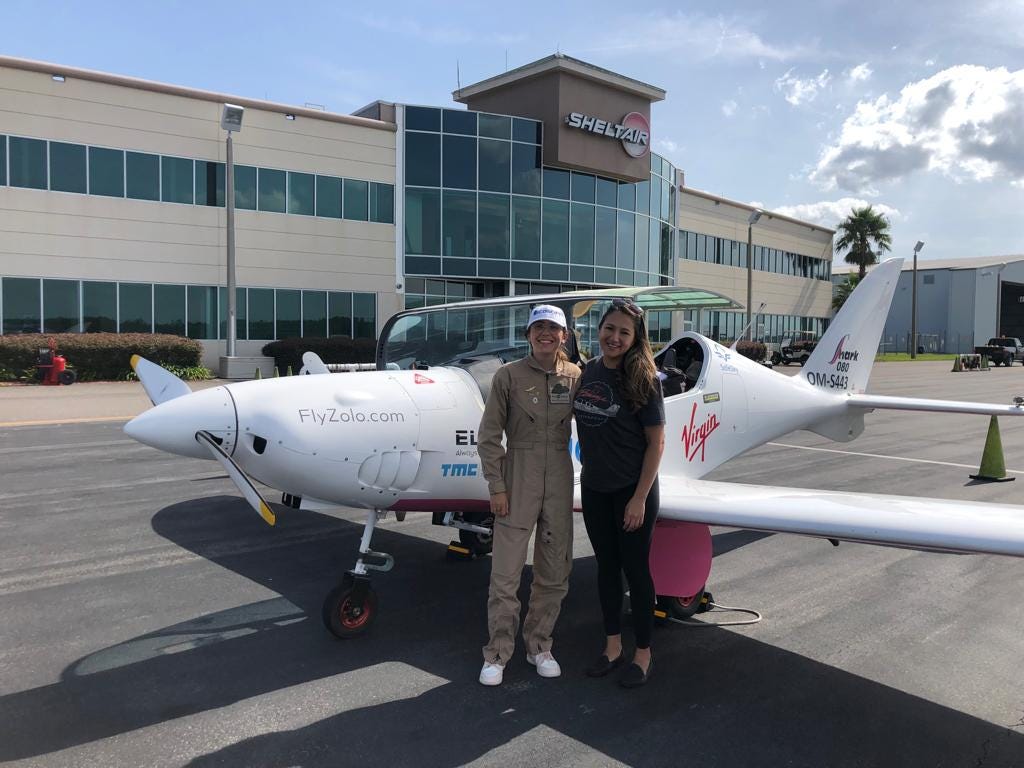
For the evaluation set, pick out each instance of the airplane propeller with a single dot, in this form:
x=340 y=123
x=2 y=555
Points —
x=240 y=479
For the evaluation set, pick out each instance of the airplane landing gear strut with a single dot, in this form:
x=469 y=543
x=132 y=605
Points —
x=351 y=607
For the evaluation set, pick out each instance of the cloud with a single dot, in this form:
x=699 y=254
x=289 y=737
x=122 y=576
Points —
x=694 y=36
x=929 y=62
x=667 y=145
x=828 y=213
x=797 y=91
x=729 y=108
x=966 y=122
x=859 y=73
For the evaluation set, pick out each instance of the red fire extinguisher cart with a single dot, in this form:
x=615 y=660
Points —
x=52 y=368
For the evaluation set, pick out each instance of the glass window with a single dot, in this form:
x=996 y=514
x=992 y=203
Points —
x=605 y=243
x=423 y=221
x=314 y=314
x=460 y=121
x=3 y=160
x=357 y=200
x=241 y=306
x=495 y=126
x=624 y=241
x=364 y=312
x=526 y=269
x=665 y=266
x=288 y=314
x=525 y=229
x=209 y=187
x=494 y=226
x=459 y=224
x=261 y=313
x=655 y=198
x=654 y=246
x=339 y=313
x=643 y=196
x=328 y=196
x=556 y=231
x=583 y=187
x=106 y=172
x=135 y=307
x=627 y=197
x=21 y=305
x=488 y=268
x=422 y=160
x=422 y=119
x=495 y=165
x=607 y=192
x=67 y=167
x=525 y=169
x=202 y=312
x=245 y=190
x=169 y=309
x=60 y=306
x=556 y=183
x=666 y=198
x=300 y=193
x=99 y=307
x=176 y=184
x=28 y=164
x=525 y=130
x=582 y=235
x=459 y=162
x=641 y=260
x=271 y=190
x=382 y=203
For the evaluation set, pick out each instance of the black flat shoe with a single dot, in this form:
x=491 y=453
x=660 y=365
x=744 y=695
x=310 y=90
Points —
x=634 y=676
x=603 y=666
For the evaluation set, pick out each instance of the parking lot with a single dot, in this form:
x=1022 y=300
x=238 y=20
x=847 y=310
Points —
x=151 y=618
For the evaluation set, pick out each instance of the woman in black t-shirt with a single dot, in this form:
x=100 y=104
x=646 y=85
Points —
x=620 y=420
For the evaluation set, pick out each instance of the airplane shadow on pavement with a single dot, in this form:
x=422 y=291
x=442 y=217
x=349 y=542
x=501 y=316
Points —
x=715 y=698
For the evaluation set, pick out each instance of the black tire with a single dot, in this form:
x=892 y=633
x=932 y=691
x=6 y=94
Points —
x=67 y=377
x=776 y=358
x=802 y=362
x=681 y=607
x=478 y=543
x=346 y=617
x=785 y=361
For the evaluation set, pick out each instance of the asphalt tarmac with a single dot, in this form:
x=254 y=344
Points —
x=150 y=618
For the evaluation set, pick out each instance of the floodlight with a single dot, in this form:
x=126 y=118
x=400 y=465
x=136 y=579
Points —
x=231 y=117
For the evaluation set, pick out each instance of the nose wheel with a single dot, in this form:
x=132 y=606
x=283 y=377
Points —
x=351 y=607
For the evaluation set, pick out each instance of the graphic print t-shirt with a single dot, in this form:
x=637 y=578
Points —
x=612 y=438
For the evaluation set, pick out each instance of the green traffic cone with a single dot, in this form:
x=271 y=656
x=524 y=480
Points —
x=992 y=468
x=984 y=363
x=957 y=367
x=259 y=373
x=289 y=371
x=277 y=372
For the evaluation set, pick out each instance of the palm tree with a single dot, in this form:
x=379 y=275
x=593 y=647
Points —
x=860 y=230
x=842 y=292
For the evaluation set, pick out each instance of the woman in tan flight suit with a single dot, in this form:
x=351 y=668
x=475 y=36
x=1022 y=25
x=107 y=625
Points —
x=531 y=485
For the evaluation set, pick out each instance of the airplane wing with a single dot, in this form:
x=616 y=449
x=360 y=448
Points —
x=936 y=406
x=912 y=522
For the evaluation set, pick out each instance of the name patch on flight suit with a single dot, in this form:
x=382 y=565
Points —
x=558 y=392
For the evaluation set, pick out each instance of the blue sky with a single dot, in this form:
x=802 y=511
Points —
x=804 y=108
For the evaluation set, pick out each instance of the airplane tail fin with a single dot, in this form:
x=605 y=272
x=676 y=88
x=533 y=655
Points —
x=843 y=358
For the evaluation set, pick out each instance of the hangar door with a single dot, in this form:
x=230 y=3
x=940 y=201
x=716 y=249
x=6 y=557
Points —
x=1011 y=309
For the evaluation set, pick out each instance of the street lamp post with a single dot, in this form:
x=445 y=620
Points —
x=754 y=216
x=913 y=305
x=230 y=121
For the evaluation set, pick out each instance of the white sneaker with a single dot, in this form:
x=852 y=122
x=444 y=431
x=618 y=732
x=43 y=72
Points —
x=491 y=674
x=545 y=664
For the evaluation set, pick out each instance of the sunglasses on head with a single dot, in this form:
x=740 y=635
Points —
x=628 y=307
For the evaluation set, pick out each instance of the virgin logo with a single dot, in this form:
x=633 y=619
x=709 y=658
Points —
x=695 y=437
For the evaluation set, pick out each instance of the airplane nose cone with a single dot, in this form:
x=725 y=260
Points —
x=172 y=425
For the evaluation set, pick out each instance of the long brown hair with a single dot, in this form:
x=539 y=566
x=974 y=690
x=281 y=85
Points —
x=639 y=373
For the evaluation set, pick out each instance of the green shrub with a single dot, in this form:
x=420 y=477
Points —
x=755 y=350
x=96 y=356
x=336 y=349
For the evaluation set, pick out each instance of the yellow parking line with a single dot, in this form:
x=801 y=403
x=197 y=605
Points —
x=51 y=422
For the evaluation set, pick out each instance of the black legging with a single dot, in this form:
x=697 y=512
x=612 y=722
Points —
x=619 y=552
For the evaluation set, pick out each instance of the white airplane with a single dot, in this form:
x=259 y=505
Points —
x=402 y=438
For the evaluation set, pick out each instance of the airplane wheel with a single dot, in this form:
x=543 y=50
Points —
x=478 y=543
x=681 y=607
x=347 y=614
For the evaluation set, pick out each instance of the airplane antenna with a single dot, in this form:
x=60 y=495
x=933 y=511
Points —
x=458 y=76
x=746 y=327
x=506 y=59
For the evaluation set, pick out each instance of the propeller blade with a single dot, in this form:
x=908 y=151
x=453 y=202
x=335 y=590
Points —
x=240 y=479
x=160 y=384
